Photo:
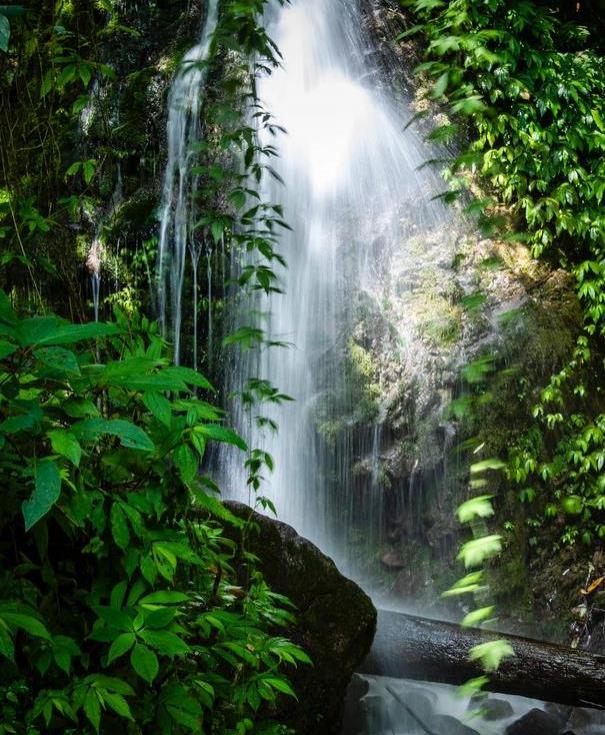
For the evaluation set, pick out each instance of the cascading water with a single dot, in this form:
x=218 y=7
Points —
x=180 y=183
x=353 y=190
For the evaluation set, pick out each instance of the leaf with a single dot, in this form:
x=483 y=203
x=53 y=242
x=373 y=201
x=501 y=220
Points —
x=160 y=618
x=119 y=527
x=121 y=645
x=7 y=349
x=487 y=464
x=475 y=552
x=92 y=708
x=186 y=462
x=89 y=167
x=28 y=623
x=59 y=359
x=66 y=444
x=159 y=406
x=475 y=617
x=166 y=643
x=596 y=116
x=46 y=493
x=118 y=704
x=491 y=654
x=144 y=662
x=480 y=507
x=188 y=375
x=128 y=433
x=51 y=331
x=222 y=434
x=572 y=505
x=164 y=597
x=7 y=647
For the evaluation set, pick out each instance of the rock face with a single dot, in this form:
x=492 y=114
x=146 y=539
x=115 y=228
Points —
x=535 y=722
x=336 y=621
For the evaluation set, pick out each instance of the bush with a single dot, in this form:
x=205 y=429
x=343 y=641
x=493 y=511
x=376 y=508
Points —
x=118 y=603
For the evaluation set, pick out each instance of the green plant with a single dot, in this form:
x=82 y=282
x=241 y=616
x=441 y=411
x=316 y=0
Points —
x=119 y=602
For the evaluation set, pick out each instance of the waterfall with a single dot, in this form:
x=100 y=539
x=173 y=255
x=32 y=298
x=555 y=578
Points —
x=354 y=192
x=179 y=193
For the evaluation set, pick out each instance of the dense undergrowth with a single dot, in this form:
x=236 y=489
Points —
x=121 y=602
x=524 y=82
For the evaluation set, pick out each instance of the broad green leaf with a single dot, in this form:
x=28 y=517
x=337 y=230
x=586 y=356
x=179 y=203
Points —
x=118 y=704
x=66 y=444
x=92 y=708
x=51 y=331
x=128 y=433
x=164 y=597
x=487 y=464
x=121 y=645
x=58 y=359
x=186 y=462
x=7 y=349
x=187 y=375
x=166 y=643
x=572 y=505
x=221 y=434
x=161 y=618
x=28 y=623
x=7 y=647
x=119 y=526
x=47 y=491
x=159 y=406
x=144 y=662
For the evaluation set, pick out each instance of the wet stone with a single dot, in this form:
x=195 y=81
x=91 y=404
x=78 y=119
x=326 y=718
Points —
x=492 y=709
x=448 y=725
x=535 y=722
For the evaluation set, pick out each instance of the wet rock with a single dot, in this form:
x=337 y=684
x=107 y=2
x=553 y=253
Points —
x=535 y=722
x=374 y=714
x=336 y=621
x=450 y=725
x=492 y=709
x=354 y=707
x=408 y=708
x=392 y=561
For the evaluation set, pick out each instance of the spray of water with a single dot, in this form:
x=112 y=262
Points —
x=178 y=200
x=354 y=192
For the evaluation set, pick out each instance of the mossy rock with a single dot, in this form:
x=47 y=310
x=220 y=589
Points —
x=336 y=621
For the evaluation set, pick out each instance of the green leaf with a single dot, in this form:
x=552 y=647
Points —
x=7 y=647
x=491 y=654
x=66 y=444
x=186 y=462
x=166 y=643
x=480 y=507
x=160 y=618
x=573 y=505
x=89 y=167
x=596 y=116
x=59 y=359
x=119 y=527
x=475 y=552
x=222 y=434
x=159 y=406
x=128 y=433
x=28 y=623
x=121 y=645
x=164 y=597
x=51 y=331
x=144 y=662
x=7 y=349
x=92 y=708
x=46 y=493
x=188 y=375
x=118 y=704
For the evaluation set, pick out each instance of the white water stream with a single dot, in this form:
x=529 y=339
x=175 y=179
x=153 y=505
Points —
x=180 y=183
x=353 y=193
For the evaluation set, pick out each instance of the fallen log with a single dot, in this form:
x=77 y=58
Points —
x=411 y=647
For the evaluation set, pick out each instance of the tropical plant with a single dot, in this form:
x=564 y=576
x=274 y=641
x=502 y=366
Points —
x=120 y=603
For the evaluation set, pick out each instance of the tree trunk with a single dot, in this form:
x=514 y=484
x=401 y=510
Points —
x=411 y=647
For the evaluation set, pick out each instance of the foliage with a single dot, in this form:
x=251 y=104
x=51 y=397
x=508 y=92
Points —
x=528 y=83
x=119 y=601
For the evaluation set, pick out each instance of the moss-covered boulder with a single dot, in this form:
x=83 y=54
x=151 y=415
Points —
x=336 y=620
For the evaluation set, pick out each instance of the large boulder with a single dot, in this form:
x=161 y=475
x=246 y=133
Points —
x=336 y=620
